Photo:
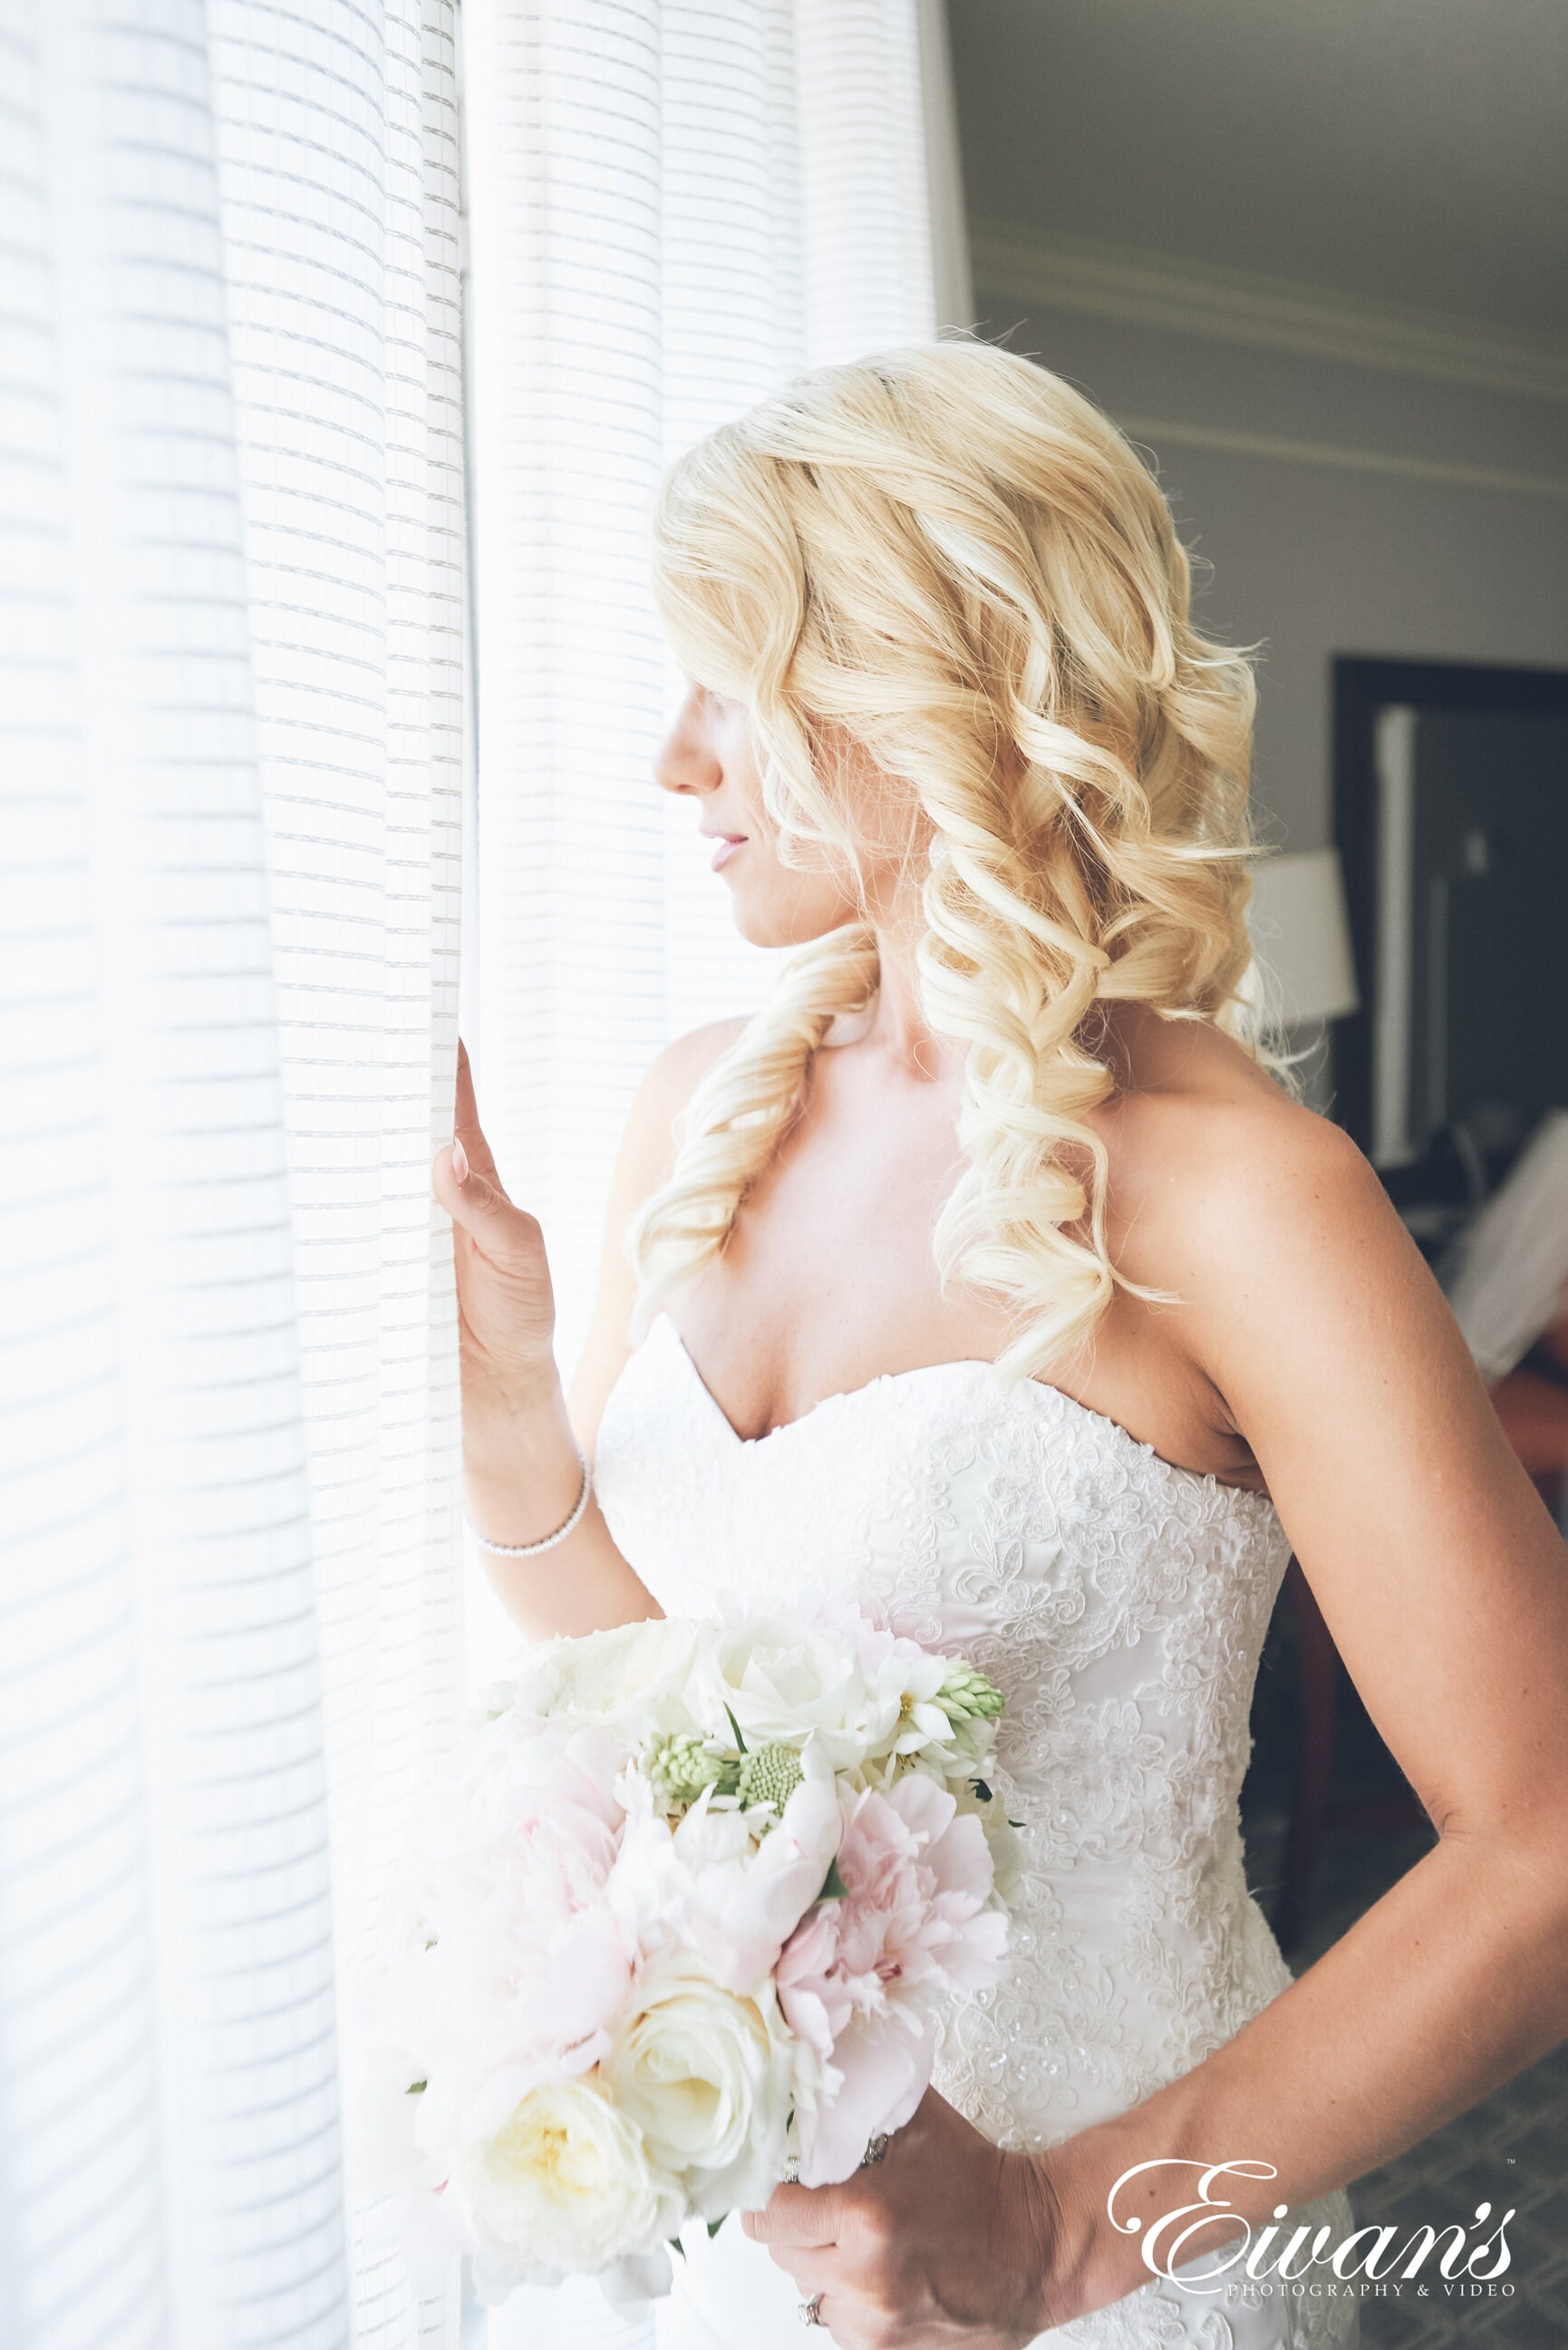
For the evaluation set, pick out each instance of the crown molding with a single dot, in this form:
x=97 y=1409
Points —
x=1107 y=281
x=1155 y=431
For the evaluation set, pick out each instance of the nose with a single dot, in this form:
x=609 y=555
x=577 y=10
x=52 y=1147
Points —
x=686 y=760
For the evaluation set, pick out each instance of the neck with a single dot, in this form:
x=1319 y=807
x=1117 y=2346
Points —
x=898 y=1026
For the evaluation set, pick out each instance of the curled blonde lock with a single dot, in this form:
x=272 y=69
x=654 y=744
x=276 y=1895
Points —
x=951 y=559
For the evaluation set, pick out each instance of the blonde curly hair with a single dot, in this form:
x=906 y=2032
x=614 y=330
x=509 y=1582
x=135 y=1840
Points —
x=951 y=559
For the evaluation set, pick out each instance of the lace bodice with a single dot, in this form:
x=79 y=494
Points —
x=1119 y=1602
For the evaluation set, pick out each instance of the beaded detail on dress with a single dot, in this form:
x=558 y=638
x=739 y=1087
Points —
x=1120 y=1602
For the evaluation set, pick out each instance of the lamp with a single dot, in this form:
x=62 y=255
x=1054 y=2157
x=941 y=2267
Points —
x=1302 y=938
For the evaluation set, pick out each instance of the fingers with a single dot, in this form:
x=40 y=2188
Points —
x=797 y=2218
x=815 y=2270
x=465 y=1120
x=813 y=2273
x=449 y=1176
x=479 y=1207
x=465 y=1179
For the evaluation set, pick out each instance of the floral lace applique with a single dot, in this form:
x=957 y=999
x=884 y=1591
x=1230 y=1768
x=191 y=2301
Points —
x=1120 y=1602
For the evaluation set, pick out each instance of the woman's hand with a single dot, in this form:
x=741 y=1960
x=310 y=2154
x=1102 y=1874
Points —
x=506 y=1307
x=947 y=2241
x=523 y=1471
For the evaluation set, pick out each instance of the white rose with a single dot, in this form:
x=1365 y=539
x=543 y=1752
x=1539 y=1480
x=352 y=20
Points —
x=783 y=1679
x=564 y=2188
x=633 y=1679
x=709 y=2079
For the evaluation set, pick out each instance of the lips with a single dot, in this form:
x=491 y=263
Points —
x=729 y=844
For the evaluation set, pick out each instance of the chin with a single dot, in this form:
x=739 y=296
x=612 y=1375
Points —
x=787 y=926
x=789 y=910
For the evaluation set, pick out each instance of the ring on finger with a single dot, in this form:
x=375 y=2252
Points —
x=810 y=2311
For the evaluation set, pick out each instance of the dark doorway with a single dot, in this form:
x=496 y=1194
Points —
x=1451 y=819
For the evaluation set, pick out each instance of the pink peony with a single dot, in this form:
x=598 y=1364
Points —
x=713 y=1887
x=522 y=1969
x=858 y=1979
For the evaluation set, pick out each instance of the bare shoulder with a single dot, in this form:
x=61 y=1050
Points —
x=645 y=1160
x=672 y=1077
x=1218 y=1176
x=1283 y=1272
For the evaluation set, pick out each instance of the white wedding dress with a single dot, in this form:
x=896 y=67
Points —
x=1120 y=1602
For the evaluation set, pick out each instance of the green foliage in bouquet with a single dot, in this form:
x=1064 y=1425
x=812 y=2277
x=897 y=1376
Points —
x=968 y=1696
x=770 y=1774
x=681 y=1765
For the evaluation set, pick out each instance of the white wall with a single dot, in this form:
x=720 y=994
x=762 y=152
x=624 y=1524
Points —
x=1341 y=551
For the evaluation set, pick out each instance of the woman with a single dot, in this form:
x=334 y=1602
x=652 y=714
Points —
x=986 y=1278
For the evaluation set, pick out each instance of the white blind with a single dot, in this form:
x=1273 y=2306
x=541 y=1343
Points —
x=229 y=700
x=674 y=208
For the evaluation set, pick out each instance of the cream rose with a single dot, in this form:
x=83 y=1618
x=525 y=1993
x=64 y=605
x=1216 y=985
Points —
x=709 y=2079
x=564 y=2187
x=632 y=1679
x=783 y=1679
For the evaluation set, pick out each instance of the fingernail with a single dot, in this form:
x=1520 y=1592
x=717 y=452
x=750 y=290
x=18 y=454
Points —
x=458 y=1161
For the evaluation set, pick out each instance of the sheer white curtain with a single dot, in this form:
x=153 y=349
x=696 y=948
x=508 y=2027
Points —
x=675 y=205
x=231 y=712
x=230 y=679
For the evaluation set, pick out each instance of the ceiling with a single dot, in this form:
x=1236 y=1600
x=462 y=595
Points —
x=1408 y=151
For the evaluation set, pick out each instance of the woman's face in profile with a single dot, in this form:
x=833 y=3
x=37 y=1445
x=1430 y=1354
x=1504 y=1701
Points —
x=711 y=755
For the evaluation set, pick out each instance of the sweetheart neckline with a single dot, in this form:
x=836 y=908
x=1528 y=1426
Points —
x=1070 y=1404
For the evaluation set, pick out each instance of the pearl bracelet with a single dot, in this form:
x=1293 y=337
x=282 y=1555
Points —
x=532 y=1550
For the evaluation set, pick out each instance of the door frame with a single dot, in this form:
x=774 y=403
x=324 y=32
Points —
x=1361 y=687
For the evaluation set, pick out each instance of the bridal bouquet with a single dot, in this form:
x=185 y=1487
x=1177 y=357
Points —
x=698 y=1895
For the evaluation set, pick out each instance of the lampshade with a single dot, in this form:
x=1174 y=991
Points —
x=1301 y=936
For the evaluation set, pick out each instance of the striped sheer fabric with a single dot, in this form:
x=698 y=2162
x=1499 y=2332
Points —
x=338 y=157
x=675 y=205
x=231 y=562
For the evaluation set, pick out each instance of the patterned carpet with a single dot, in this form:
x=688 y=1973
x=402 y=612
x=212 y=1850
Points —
x=1511 y=2152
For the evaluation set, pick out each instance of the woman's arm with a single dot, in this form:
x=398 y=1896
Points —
x=1444 y=1583
x=519 y=1438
